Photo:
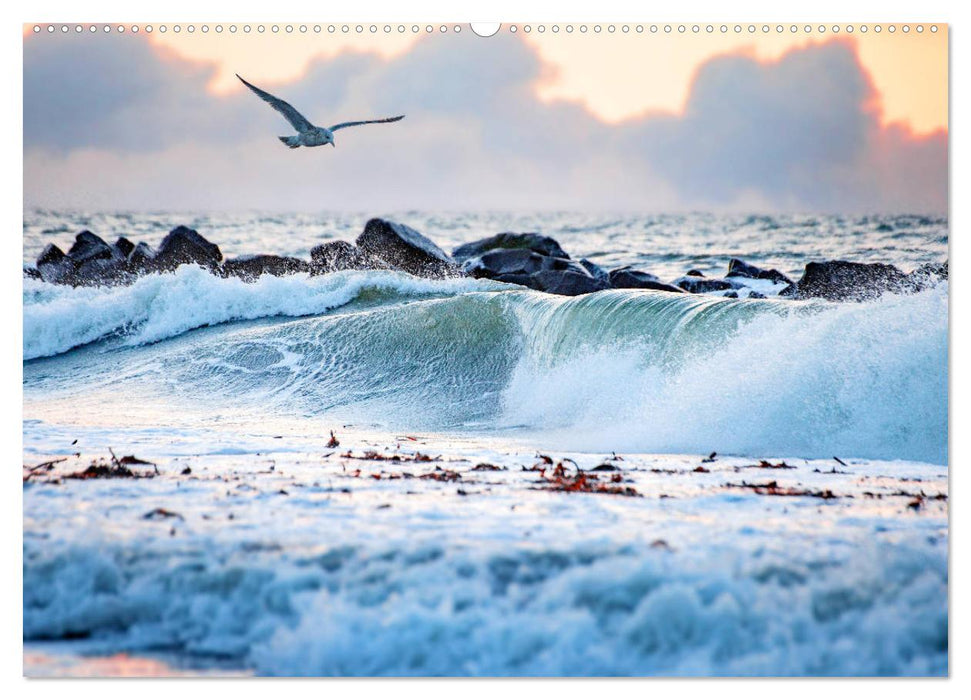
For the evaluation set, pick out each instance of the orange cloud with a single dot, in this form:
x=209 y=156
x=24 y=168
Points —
x=622 y=76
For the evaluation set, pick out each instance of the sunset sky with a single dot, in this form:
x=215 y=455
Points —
x=651 y=121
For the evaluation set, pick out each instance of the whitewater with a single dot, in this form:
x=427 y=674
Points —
x=284 y=556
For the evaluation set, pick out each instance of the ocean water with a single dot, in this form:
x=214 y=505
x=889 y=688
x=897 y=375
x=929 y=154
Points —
x=288 y=557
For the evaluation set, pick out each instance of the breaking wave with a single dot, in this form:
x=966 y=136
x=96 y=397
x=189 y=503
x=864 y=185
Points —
x=619 y=370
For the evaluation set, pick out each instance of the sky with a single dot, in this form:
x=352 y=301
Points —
x=610 y=121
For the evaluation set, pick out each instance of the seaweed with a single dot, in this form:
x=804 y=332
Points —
x=764 y=464
x=487 y=467
x=161 y=514
x=375 y=456
x=583 y=482
x=772 y=488
x=441 y=475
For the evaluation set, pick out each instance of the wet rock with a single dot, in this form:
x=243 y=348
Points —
x=142 y=259
x=405 y=249
x=51 y=255
x=595 y=270
x=628 y=278
x=519 y=266
x=341 y=255
x=91 y=261
x=99 y=271
x=928 y=275
x=702 y=285
x=31 y=272
x=740 y=268
x=506 y=262
x=184 y=246
x=694 y=273
x=566 y=282
x=544 y=245
x=123 y=247
x=839 y=280
x=251 y=267
x=520 y=279
x=53 y=265
x=88 y=246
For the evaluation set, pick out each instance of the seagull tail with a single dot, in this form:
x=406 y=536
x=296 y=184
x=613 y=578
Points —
x=291 y=141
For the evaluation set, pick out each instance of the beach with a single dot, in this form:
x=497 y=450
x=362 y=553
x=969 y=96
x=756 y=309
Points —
x=370 y=473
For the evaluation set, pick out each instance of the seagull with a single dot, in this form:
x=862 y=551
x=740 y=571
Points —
x=308 y=135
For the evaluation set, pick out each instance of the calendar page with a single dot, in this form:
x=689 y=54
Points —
x=512 y=349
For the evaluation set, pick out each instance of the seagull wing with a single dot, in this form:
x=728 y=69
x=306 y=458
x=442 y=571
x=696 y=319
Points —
x=344 y=125
x=297 y=120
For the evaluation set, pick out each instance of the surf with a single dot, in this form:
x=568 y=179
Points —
x=621 y=370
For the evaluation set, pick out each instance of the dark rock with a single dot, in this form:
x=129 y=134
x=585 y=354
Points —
x=839 y=280
x=31 y=272
x=87 y=246
x=405 y=249
x=740 y=268
x=755 y=295
x=731 y=294
x=569 y=265
x=694 y=273
x=544 y=245
x=251 y=267
x=518 y=278
x=702 y=285
x=183 y=246
x=928 y=275
x=53 y=266
x=51 y=255
x=142 y=259
x=506 y=262
x=90 y=261
x=566 y=282
x=594 y=269
x=341 y=255
x=124 y=246
x=99 y=271
x=627 y=278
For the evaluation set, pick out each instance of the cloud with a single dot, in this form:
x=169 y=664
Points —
x=122 y=94
x=802 y=131
x=119 y=123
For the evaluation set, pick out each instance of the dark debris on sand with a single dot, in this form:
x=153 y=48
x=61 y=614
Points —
x=765 y=464
x=375 y=456
x=561 y=480
x=772 y=488
x=113 y=468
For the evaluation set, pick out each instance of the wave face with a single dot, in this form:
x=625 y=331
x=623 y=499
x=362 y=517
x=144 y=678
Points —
x=620 y=370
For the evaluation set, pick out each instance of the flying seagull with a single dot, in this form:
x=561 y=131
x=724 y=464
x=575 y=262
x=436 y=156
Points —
x=308 y=134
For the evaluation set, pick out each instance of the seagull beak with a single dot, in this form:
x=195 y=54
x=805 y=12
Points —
x=333 y=144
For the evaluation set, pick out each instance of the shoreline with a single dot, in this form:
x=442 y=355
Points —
x=308 y=547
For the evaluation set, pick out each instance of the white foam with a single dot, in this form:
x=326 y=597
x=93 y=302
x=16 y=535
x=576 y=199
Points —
x=866 y=380
x=156 y=307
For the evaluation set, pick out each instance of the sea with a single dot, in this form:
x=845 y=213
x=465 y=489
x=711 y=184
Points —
x=367 y=473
